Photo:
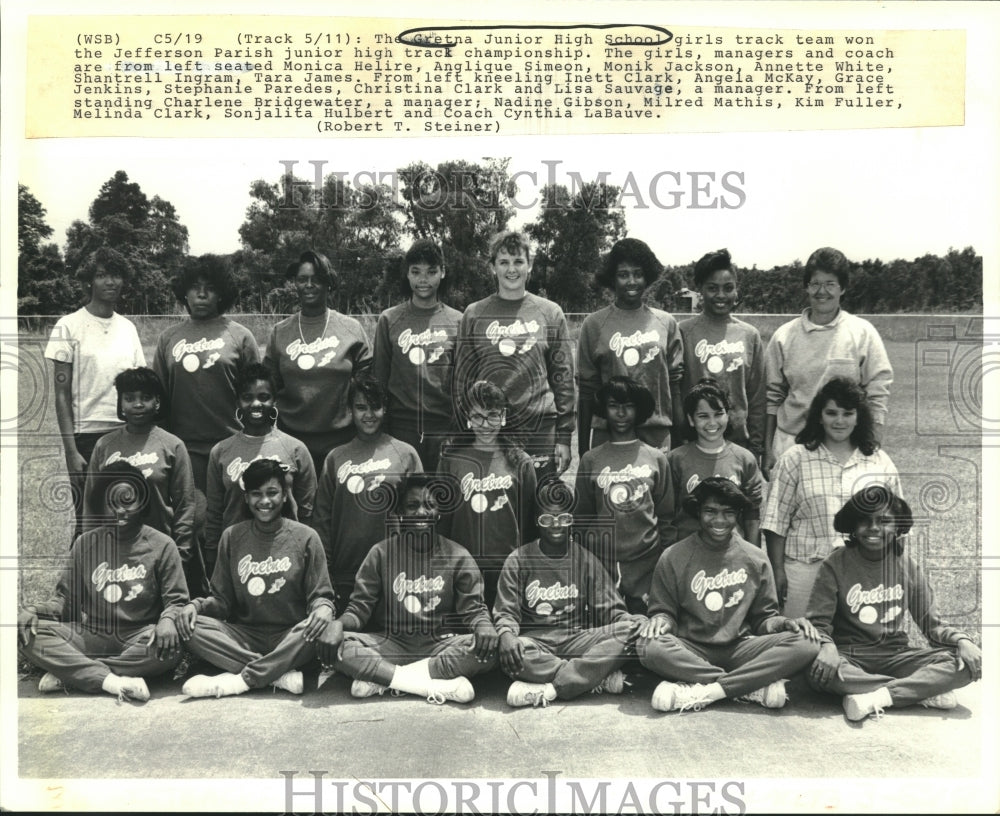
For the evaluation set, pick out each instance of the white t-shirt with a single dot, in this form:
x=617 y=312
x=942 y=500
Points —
x=99 y=349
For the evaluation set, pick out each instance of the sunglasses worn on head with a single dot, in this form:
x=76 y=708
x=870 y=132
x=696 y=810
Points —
x=549 y=520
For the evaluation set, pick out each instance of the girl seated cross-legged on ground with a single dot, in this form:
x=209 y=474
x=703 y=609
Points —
x=271 y=597
x=416 y=622
x=111 y=622
x=857 y=610
x=714 y=630
x=564 y=629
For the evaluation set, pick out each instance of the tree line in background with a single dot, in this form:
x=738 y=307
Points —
x=364 y=230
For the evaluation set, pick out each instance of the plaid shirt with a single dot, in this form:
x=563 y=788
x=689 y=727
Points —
x=809 y=487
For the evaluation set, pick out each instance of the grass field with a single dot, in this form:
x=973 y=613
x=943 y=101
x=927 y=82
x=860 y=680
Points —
x=939 y=466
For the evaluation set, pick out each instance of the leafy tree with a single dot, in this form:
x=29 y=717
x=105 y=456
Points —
x=43 y=284
x=573 y=231
x=357 y=227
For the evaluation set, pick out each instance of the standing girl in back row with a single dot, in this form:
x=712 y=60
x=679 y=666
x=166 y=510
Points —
x=722 y=347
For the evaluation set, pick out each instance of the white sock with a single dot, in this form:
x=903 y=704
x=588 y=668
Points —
x=714 y=691
x=414 y=678
x=112 y=684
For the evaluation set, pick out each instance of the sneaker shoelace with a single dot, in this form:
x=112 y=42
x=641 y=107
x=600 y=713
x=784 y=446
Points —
x=437 y=698
x=537 y=699
x=877 y=712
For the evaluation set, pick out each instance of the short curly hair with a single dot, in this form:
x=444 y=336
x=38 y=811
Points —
x=215 y=271
x=710 y=263
x=629 y=250
x=104 y=259
x=513 y=242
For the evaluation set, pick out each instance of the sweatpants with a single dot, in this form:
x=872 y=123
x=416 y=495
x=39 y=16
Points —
x=259 y=654
x=575 y=662
x=85 y=444
x=911 y=675
x=740 y=667
x=374 y=657
x=801 y=577
x=81 y=657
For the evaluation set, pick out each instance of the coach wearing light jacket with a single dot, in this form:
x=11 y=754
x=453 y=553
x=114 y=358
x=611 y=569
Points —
x=824 y=342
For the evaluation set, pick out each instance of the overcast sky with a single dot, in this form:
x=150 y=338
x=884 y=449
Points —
x=887 y=194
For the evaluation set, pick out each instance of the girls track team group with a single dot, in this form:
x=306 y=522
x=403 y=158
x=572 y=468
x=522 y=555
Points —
x=395 y=512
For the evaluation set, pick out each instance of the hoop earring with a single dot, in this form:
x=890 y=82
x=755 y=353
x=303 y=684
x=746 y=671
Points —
x=272 y=414
x=239 y=416
x=469 y=424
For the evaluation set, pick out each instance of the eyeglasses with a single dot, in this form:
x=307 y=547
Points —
x=829 y=286
x=490 y=418
x=562 y=520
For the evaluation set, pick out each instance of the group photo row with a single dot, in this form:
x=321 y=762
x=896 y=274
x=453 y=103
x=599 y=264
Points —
x=457 y=493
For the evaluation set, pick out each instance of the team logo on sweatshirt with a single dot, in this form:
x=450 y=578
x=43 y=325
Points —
x=628 y=348
x=106 y=580
x=412 y=345
x=506 y=338
x=304 y=354
x=710 y=589
x=625 y=488
x=710 y=355
x=188 y=354
x=862 y=601
x=354 y=475
x=136 y=460
x=252 y=573
x=540 y=598
x=406 y=591
x=474 y=491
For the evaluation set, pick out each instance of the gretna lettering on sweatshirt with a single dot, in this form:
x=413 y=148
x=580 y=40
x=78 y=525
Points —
x=182 y=347
x=534 y=592
x=703 y=350
x=104 y=575
x=472 y=485
x=858 y=597
x=702 y=583
x=620 y=342
x=136 y=460
x=408 y=339
x=297 y=347
x=496 y=332
x=351 y=469
x=270 y=565
x=403 y=586
x=608 y=477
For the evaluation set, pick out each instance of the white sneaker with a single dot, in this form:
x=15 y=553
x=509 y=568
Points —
x=364 y=688
x=133 y=688
x=614 y=683
x=771 y=696
x=50 y=682
x=457 y=689
x=859 y=706
x=290 y=681
x=946 y=700
x=530 y=694
x=221 y=685
x=680 y=697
